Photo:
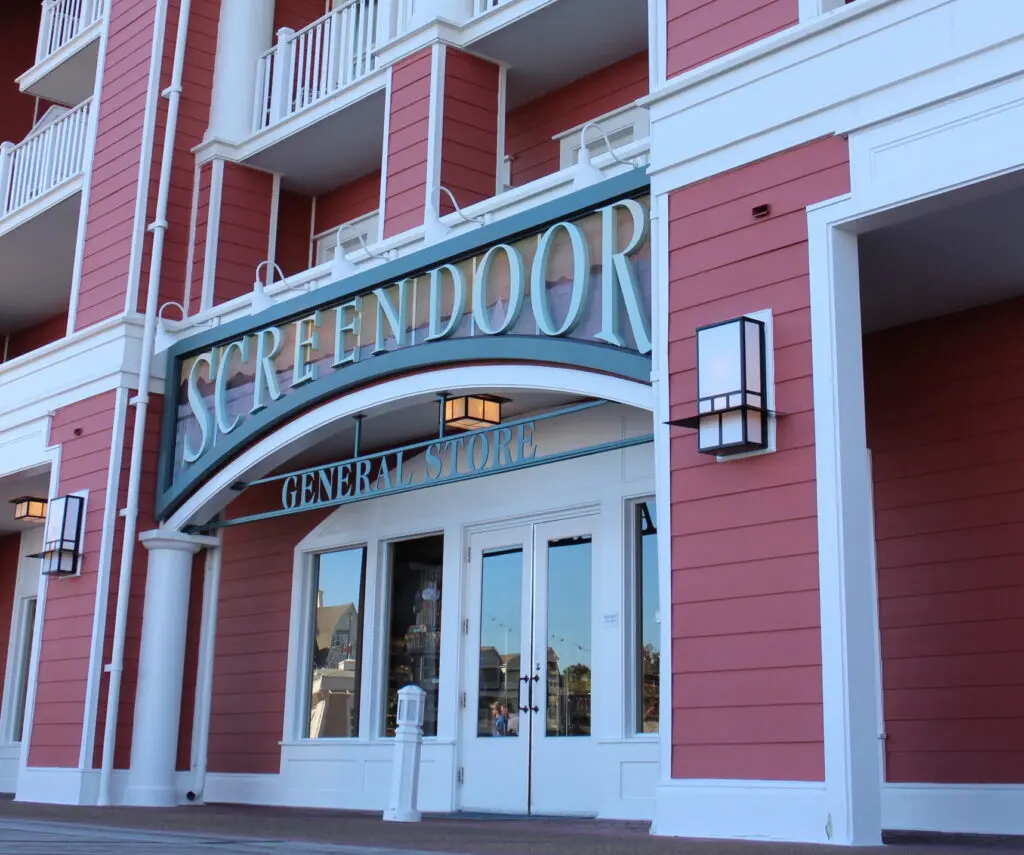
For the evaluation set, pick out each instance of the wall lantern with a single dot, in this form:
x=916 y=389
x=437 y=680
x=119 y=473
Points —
x=471 y=412
x=62 y=537
x=27 y=509
x=732 y=388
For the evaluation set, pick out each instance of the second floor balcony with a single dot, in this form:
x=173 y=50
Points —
x=67 y=51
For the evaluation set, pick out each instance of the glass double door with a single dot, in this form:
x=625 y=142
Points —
x=529 y=670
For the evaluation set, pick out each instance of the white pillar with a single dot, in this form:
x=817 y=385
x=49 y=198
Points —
x=245 y=31
x=161 y=667
x=405 y=773
x=851 y=668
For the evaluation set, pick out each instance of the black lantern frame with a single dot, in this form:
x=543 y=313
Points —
x=29 y=509
x=62 y=537
x=471 y=412
x=733 y=419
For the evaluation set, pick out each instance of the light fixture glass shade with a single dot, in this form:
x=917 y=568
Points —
x=732 y=414
x=62 y=537
x=28 y=509
x=472 y=412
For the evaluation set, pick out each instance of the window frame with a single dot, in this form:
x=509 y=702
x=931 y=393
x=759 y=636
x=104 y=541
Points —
x=312 y=587
x=630 y=117
x=367 y=225
x=634 y=605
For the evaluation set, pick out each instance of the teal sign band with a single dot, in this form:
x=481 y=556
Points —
x=446 y=460
x=566 y=284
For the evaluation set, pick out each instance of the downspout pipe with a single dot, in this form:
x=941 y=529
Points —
x=141 y=401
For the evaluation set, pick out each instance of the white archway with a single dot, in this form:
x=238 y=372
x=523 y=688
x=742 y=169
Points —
x=279 y=445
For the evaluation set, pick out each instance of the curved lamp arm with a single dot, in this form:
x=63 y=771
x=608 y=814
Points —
x=608 y=142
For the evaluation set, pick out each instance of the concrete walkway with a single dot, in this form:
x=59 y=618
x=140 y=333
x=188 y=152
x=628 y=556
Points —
x=32 y=829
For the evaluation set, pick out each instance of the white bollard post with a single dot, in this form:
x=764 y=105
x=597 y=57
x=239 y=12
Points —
x=405 y=774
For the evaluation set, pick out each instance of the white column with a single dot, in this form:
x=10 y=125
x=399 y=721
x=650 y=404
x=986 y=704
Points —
x=245 y=31
x=851 y=681
x=161 y=667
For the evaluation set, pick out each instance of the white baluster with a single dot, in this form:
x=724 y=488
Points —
x=45 y=21
x=86 y=16
x=6 y=172
x=386 y=17
x=334 y=49
x=281 y=94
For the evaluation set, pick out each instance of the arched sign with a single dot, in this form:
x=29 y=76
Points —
x=568 y=283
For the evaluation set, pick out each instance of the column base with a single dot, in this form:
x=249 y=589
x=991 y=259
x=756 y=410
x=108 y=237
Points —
x=789 y=811
x=143 y=796
x=402 y=816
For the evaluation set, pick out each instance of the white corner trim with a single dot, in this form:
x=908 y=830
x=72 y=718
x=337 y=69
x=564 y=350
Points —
x=954 y=808
x=190 y=259
x=384 y=154
x=212 y=248
x=435 y=126
x=743 y=810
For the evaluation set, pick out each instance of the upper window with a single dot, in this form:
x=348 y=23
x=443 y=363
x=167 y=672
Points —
x=622 y=127
x=336 y=630
x=325 y=244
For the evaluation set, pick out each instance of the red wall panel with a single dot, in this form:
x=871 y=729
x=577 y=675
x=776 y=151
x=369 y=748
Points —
x=10 y=555
x=949 y=523
x=294 y=218
x=17 y=55
x=348 y=202
x=407 y=143
x=297 y=13
x=84 y=431
x=251 y=653
x=108 y=236
x=244 y=236
x=746 y=652
x=700 y=30
x=529 y=128
x=469 y=147
x=38 y=335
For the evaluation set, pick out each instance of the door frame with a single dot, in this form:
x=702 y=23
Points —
x=567 y=513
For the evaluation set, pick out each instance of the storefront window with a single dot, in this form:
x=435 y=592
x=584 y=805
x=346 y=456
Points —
x=337 y=633
x=648 y=641
x=501 y=633
x=28 y=627
x=569 y=637
x=414 y=630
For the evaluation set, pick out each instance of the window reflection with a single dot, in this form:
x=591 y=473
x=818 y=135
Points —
x=648 y=641
x=569 y=637
x=337 y=632
x=414 y=632
x=501 y=602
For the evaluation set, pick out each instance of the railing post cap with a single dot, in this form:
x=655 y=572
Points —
x=8 y=146
x=285 y=33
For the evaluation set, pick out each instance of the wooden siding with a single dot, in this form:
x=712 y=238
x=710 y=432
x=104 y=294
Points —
x=244 y=236
x=407 y=143
x=17 y=55
x=701 y=30
x=348 y=202
x=251 y=654
x=296 y=14
x=10 y=556
x=294 y=219
x=199 y=256
x=114 y=186
x=38 y=335
x=84 y=432
x=746 y=652
x=469 y=137
x=193 y=119
x=529 y=128
x=949 y=523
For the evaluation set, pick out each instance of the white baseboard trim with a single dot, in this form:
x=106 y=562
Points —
x=81 y=787
x=746 y=810
x=224 y=788
x=954 y=808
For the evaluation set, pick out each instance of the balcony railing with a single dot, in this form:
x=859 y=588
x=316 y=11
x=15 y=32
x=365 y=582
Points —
x=45 y=159
x=481 y=6
x=63 y=20
x=322 y=58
